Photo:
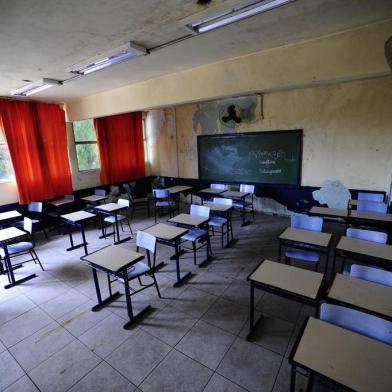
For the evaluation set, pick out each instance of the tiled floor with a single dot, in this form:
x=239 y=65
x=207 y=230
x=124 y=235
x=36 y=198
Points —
x=194 y=339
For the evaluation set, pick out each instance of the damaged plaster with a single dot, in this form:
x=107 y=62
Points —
x=333 y=193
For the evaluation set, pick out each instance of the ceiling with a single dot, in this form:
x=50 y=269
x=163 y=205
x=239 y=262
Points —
x=42 y=38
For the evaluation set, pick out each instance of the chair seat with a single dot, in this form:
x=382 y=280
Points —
x=112 y=219
x=21 y=223
x=165 y=203
x=136 y=270
x=194 y=235
x=17 y=248
x=303 y=255
x=217 y=221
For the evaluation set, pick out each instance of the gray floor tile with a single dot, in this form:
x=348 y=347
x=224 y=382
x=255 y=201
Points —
x=24 y=384
x=46 y=291
x=227 y=315
x=35 y=349
x=239 y=292
x=221 y=384
x=271 y=333
x=194 y=302
x=82 y=318
x=23 y=326
x=106 y=336
x=211 y=283
x=102 y=379
x=64 y=303
x=177 y=373
x=279 y=307
x=250 y=366
x=206 y=344
x=14 y=307
x=282 y=383
x=64 y=369
x=137 y=356
x=169 y=325
x=10 y=371
x=2 y=347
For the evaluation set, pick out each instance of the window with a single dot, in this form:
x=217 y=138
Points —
x=6 y=170
x=86 y=145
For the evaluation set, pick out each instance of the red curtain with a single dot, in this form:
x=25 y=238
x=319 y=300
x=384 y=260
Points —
x=37 y=141
x=121 y=148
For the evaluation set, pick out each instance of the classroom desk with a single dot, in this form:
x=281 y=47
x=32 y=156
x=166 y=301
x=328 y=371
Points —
x=8 y=217
x=348 y=359
x=354 y=203
x=8 y=236
x=329 y=212
x=287 y=281
x=208 y=193
x=241 y=196
x=111 y=209
x=114 y=260
x=77 y=219
x=94 y=199
x=361 y=250
x=314 y=241
x=170 y=235
x=194 y=221
x=175 y=193
x=362 y=295
x=60 y=202
x=225 y=211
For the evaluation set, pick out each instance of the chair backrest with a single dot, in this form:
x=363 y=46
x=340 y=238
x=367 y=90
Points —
x=28 y=225
x=146 y=241
x=371 y=196
x=371 y=206
x=100 y=192
x=200 y=210
x=356 y=321
x=35 y=206
x=69 y=197
x=123 y=202
x=114 y=190
x=221 y=200
x=247 y=188
x=372 y=274
x=367 y=235
x=161 y=193
x=218 y=186
x=313 y=223
x=127 y=187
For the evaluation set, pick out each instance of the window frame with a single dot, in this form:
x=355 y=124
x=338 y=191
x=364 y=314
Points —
x=76 y=143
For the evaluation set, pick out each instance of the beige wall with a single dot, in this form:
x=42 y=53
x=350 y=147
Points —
x=347 y=131
x=161 y=143
x=354 y=54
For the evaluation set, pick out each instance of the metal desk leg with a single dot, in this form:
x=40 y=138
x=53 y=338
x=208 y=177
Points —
x=279 y=250
x=244 y=222
x=292 y=378
x=84 y=238
x=117 y=231
x=252 y=325
x=208 y=255
x=101 y=302
x=180 y=280
x=132 y=318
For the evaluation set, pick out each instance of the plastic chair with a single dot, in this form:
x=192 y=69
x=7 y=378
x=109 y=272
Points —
x=372 y=274
x=161 y=200
x=120 y=218
x=379 y=197
x=136 y=271
x=371 y=206
x=248 y=202
x=136 y=202
x=197 y=234
x=218 y=186
x=220 y=222
x=304 y=222
x=23 y=247
x=357 y=321
x=100 y=192
x=35 y=213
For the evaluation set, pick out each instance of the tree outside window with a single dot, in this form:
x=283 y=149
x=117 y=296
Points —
x=86 y=145
x=6 y=170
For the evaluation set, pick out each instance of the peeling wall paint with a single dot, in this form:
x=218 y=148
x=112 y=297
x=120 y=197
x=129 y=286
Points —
x=333 y=193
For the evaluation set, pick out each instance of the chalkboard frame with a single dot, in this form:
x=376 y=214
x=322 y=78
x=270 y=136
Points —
x=299 y=132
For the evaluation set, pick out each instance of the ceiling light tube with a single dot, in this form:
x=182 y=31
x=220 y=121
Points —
x=235 y=14
x=36 y=87
x=116 y=56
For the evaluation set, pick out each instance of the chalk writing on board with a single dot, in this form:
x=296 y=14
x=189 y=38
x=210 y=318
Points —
x=271 y=155
x=271 y=172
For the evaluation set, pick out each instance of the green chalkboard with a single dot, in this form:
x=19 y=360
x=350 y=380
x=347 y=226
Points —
x=272 y=157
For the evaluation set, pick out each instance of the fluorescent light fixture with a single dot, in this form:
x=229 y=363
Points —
x=241 y=11
x=36 y=87
x=116 y=56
